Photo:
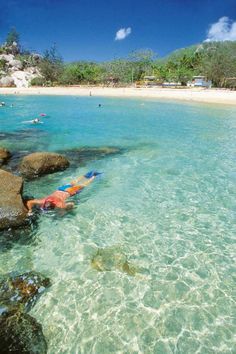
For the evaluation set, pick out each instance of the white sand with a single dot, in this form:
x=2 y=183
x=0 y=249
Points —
x=217 y=96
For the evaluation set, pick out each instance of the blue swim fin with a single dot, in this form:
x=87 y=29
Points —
x=92 y=173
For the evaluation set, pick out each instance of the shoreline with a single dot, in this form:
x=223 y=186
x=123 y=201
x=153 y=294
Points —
x=216 y=96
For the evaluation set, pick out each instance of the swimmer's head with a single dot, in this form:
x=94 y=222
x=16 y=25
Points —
x=49 y=204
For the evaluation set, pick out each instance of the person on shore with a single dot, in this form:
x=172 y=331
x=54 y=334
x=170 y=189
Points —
x=58 y=198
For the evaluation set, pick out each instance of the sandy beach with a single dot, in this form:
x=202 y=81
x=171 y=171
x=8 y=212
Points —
x=216 y=96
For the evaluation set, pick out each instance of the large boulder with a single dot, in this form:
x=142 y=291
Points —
x=21 y=333
x=12 y=210
x=4 y=155
x=7 y=57
x=15 y=64
x=22 y=78
x=42 y=163
x=7 y=81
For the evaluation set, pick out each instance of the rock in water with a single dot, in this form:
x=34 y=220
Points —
x=4 y=155
x=12 y=210
x=86 y=154
x=22 y=291
x=112 y=258
x=41 y=163
x=21 y=333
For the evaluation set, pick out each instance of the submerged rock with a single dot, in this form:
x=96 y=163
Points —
x=21 y=333
x=24 y=136
x=12 y=210
x=22 y=235
x=41 y=163
x=22 y=291
x=112 y=258
x=83 y=155
x=4 y=156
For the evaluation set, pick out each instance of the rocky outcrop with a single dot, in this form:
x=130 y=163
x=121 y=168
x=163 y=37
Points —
x=41 y=163
x=21 y=333
x=19 y=73
x=15 y=64
x=12 y=210
x=7 y=81
x=4 y=156
x=6 y=57
x=23 y=78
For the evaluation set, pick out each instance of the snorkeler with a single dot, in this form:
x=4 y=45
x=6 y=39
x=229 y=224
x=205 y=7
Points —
x=58 y=198
x=33 y=121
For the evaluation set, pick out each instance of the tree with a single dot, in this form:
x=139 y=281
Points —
x=12 y=45
x=13 y=37
x=219 y=61
x=142 y=62
x=51 y=66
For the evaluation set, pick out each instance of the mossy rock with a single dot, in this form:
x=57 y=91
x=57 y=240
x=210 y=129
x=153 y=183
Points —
x=22 y=291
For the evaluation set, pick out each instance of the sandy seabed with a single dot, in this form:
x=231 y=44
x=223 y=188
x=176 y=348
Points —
x=217 y=96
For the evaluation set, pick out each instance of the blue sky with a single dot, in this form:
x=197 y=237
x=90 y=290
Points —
x=86 y=29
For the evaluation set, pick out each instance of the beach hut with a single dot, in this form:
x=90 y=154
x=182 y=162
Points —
x=171 y=84
x=149 y=81
x=199 y=81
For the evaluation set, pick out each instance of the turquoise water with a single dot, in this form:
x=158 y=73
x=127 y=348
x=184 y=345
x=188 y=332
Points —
x=167 y=202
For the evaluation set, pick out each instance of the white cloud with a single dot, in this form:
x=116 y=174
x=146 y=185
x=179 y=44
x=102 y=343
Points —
x=122 y=33
x=223 y=30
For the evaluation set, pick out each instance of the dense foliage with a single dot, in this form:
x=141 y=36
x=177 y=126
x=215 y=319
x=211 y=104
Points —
x=214 y=60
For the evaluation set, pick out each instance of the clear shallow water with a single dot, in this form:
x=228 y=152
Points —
x=167 y=202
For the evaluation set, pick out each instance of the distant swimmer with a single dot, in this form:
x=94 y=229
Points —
x=2 y=104
x=99 y=105
x=42 y=114
x=34 y=121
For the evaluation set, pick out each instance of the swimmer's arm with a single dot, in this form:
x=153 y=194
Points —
x=31 y=203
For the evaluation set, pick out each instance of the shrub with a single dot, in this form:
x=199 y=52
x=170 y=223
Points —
x=38 y=81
